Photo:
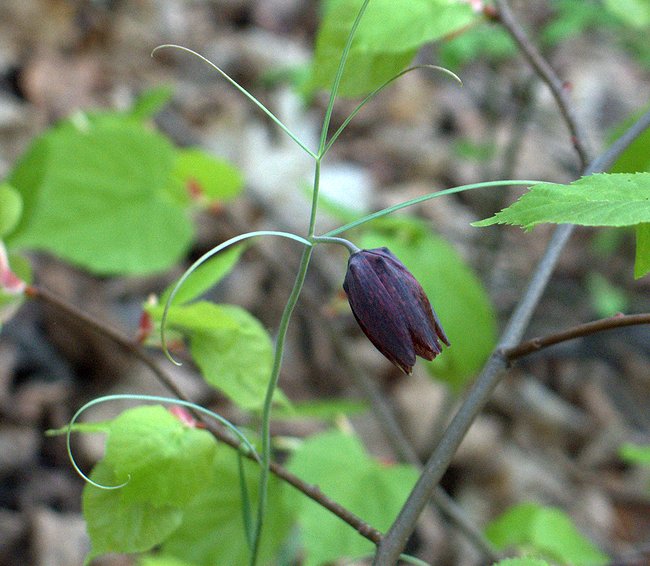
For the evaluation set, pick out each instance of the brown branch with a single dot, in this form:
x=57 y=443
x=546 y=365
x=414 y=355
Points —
x=558 y=87
x=311 y=491
x=587 y=329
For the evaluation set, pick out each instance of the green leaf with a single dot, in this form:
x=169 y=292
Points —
x=636 y=158
x=232 y=349
x=205 y=277
x=635 y=453
x=322 y=409
x=94 y=194
x=525 y=561
x=491 y=42
x=606 y=299
x=213 y=530
x=206 y=178
x=163 y=561
x=547 y=530
x=150 y=102
x=11 y=209
x=118 y=524
x=604 y=199
x=237 y=360
x=635 y=13
x=182 y=495
x=455 y=292
x=163 y=460
x=389 y=35
x=339 y=465
x=159 y=560
x=617 y=199
x=642 y=258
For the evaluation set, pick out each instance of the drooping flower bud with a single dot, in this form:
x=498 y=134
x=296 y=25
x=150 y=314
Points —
x=391 y=308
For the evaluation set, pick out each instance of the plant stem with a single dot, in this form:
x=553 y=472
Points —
x=268 y=400
x=340 y=241
x=424 y=198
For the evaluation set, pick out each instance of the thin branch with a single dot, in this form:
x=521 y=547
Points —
x=311 y=491
x=587 y=329
x=480 y=393
x=547 y=74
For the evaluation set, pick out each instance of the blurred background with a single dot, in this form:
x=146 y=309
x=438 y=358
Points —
x=555 y=426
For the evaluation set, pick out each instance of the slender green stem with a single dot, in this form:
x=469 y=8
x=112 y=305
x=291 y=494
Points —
x=241 y=89
x=245 y=447
x=340 y=241
x=314 y=200
x=374 y=93
x=268 y=401
x=424 y=198
x=337 y=80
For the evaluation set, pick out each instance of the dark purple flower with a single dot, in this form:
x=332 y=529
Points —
x=391 y=308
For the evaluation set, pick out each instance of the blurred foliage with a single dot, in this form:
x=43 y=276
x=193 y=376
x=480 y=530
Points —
x=546 y=532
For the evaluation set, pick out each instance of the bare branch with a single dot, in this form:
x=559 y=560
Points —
x=548 y=75
x=587 y=329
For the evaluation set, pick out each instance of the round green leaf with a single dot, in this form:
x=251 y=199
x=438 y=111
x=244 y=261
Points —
x=95 y=194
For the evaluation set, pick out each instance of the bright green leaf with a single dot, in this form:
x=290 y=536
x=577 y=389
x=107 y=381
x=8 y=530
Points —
x=548 y=531
x=206 y=276
x=635 y=13
x=604 y=199
x=213 y=532
x=322 y=409
x=387 y=39
x=232 y=349
x=642 y=259
x=159 y=560
x=491 y=42
x=205 y=177
x=182 y=495
x=456 y=295
x=635 y=453
x=201 y=316
x=164 y=460
x=118 y=524
x=163 y=561
x=237 y=360
x=339 y=465
x=636 y=158
x=11 y=208
x=617 y=199
x=525 y=561
x=150 y=102
x=94 y=194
